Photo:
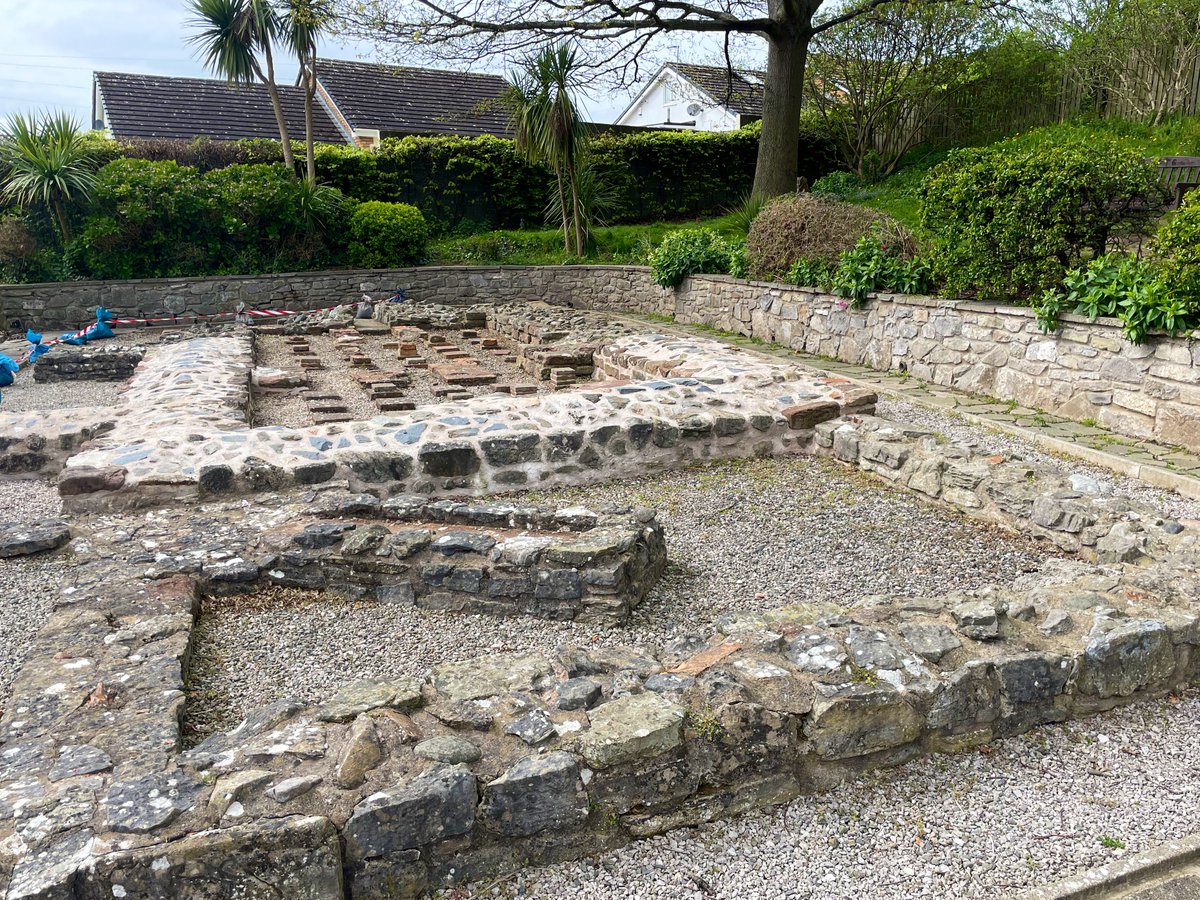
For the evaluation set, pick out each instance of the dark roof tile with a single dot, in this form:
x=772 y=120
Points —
x=159 y=106
x=399 y=100
x=740 y=91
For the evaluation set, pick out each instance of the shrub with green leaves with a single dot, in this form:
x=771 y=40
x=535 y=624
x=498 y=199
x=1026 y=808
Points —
x=1009 y=221
x=872 y=265
x=1120 y=287
x=811 y=273
x=387 y=235
x=159 y=219
x=1177 y=245
x=803 y=226
x=693 y=251
x=836 y=185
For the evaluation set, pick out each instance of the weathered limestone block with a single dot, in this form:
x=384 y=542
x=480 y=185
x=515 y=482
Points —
x=148 y=802
x=295 y=857
x=363 y=696
x=634 y=727
x=488 y=676
x=536 y=794
x=360 y=754
x=857 y=719
x=429 y=807
x=1126 y=657
x=22 y=539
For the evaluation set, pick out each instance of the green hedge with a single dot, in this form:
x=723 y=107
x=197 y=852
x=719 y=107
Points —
x=153 y=219
x=1009 y=221
x=387 y=235
x=467 y=185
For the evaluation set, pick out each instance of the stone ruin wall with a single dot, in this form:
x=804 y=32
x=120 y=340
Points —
x=397 y=786
x=1085 y=371
x=393 y=787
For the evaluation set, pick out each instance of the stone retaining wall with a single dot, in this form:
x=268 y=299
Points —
x=71 y=304
x=1085 y=371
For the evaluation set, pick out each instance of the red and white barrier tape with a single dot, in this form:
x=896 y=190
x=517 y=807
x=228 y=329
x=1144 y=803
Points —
x=262 y=313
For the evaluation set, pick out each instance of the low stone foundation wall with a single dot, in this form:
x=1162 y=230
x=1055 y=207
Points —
x=182 y=431
x=396 y=786
x=495 y=558
x=100 y=364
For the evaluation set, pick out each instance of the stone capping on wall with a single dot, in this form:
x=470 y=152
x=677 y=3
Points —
x=392 y=787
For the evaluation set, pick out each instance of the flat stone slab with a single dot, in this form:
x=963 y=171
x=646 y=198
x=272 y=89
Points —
x=18 y=539
x=632 y=728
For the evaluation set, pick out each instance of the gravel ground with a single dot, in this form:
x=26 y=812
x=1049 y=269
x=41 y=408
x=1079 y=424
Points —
x=26 y=394
x=290 y=409
x=741 y=536
x=24 y=599
x=960 y=430
x=1029 y=811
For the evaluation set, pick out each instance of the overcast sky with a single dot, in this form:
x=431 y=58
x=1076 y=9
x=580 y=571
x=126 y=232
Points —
x=49 y=49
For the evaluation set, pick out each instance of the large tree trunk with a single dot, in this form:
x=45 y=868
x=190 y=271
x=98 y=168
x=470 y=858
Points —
x=273 y=90
x=787 y=53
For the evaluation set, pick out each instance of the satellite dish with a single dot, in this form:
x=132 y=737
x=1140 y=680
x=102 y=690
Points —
x=694 y=109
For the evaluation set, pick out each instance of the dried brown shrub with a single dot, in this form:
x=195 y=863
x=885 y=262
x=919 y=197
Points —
x=17 y=245
x=797 y=226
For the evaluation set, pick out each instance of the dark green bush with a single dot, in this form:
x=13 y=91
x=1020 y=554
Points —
x=1177 y=245
x=467 y=185
x=387 y=235
x=803 y=226
x=693 y=251
x=160 y=219
x=1008 y=221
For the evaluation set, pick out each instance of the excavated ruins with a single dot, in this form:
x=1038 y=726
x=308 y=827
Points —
x=388 y=462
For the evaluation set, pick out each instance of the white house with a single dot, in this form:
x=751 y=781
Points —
x=697 y=98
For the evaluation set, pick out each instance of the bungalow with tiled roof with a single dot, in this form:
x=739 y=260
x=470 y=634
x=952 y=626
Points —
x=358 y=103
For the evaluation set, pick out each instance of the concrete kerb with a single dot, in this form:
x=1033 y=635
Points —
x=1115 y=879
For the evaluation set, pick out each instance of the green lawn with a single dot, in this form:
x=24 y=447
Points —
x=629 y=244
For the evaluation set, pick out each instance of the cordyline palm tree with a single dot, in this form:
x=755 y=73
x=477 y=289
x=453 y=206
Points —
x=548 y=131
x=45 y=159
x=301 y=25
x=231 y=34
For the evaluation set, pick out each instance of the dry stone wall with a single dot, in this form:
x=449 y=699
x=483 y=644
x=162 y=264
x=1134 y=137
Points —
x=497 y=558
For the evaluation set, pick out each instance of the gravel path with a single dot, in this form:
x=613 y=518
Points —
x=1034 y=809
x=988 y=439
x=741 y=536
x=24 y=591
x=270 y=351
